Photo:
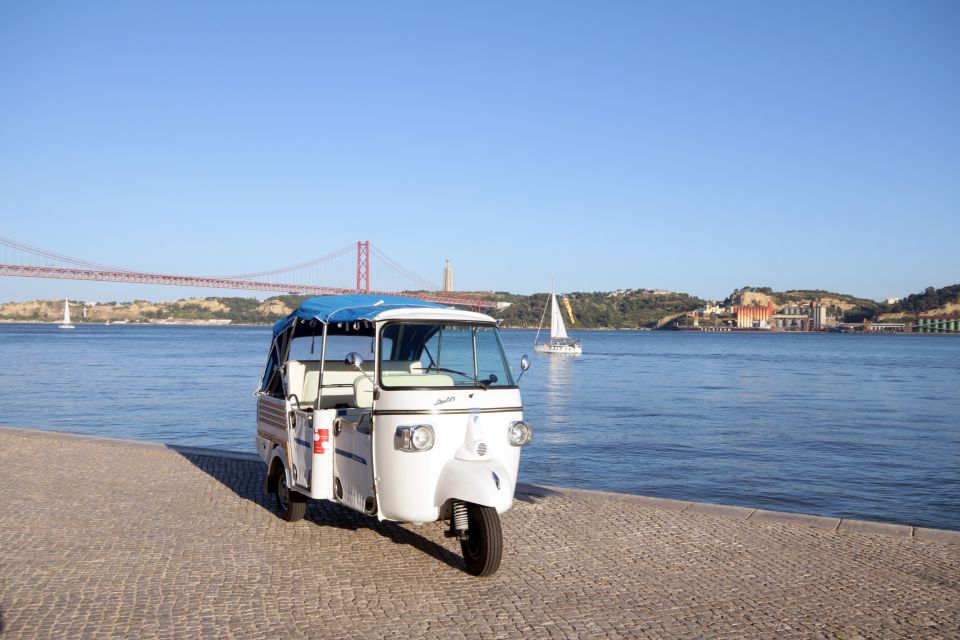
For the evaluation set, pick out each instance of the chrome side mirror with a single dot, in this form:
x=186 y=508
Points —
x=354 y=360
x=524 y=365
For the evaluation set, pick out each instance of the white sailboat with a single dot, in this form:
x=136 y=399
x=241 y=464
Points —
x=66 y=316
x=559 y=341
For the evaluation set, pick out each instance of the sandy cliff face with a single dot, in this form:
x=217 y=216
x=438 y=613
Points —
x=42 y=310
x=52 y=311
x=201 y=303
x=952 y=309
x=846 y=305
x=752 y=299
x=142 y=311
x=274 y=307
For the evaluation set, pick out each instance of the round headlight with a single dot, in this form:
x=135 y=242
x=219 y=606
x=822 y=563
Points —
x=416 y=437
x=421 y=438
x=520 y=433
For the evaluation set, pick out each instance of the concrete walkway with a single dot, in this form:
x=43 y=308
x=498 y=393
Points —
x=101 y=539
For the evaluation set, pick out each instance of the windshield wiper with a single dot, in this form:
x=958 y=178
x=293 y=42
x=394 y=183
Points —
x=483 y=384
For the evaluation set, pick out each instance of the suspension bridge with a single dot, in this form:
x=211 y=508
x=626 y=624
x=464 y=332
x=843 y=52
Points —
x=327 y=275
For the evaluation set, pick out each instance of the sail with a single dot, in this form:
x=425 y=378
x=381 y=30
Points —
x=566 y=303
x=557 y=330
x=66 y=312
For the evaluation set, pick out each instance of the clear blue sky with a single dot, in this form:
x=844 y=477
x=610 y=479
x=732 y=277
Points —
x=693 y=146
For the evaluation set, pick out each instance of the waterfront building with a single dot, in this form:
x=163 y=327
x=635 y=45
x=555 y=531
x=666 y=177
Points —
x=805 y=317
x=794 y=318
x=883 y=327
x=754 y=317
x=818 y=316
x=938 y=324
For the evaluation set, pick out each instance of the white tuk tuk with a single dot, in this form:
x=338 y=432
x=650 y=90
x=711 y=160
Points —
x=398 y=408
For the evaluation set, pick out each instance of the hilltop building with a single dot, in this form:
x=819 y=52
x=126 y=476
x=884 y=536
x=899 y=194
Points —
x=711 y=309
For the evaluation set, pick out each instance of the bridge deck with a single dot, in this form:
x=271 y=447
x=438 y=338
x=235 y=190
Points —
x=98 y=275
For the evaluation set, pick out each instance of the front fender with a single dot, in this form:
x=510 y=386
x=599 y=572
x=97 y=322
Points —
x=277 y=456
x=476 y=481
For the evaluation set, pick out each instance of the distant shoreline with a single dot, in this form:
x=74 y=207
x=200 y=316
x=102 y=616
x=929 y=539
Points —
x=620 y=310
x=199 y=323
x=221 y=325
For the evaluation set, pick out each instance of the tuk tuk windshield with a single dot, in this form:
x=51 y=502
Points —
x=432 y=354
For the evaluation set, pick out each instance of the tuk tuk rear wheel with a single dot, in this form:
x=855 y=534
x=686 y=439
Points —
x=483 y=547
x=292 y=505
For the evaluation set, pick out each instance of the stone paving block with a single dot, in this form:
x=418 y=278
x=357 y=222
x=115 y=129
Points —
x=876 y=528
x=725 y=510
x=936 y=535
x=803 y=519
x=660 y=503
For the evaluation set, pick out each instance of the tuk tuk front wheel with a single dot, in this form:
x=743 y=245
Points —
x=483 y=546
x=292 y=505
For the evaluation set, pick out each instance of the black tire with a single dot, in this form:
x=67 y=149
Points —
x=291 y=505
x=483 y=547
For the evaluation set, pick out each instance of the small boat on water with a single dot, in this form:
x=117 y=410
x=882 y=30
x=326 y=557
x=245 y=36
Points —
x=559 y=341
x=66 y=324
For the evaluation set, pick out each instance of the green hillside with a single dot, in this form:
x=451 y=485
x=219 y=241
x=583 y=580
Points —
x=930 y=300
x=627 y=309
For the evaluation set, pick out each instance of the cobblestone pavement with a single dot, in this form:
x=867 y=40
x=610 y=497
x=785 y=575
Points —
x=103 y=541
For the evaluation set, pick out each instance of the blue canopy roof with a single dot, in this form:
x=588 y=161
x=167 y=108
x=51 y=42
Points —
x=348 y=308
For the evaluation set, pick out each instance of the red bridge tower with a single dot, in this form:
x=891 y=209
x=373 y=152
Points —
x=363 y=266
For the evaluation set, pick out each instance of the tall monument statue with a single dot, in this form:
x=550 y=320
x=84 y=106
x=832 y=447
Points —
x=448 y=277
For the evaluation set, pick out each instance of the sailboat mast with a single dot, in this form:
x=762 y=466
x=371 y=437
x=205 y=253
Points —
x=542 y=316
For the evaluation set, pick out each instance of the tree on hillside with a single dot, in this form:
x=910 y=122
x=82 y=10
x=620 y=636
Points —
x=930 y=299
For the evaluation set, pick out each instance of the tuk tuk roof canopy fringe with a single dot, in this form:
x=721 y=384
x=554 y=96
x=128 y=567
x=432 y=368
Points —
x=349 y=308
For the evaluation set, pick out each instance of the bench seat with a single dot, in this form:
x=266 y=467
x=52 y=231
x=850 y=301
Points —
x=340 y=381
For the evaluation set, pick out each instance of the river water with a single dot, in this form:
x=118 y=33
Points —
x=854 y=426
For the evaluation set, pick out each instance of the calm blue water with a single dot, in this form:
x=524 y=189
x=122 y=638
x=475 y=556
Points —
x=853 y=426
